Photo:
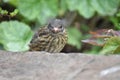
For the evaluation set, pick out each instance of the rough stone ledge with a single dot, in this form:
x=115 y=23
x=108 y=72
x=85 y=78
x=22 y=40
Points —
x=45 y=66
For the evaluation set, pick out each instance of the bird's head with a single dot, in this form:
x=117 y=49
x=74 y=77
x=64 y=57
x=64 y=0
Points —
x=56 y=26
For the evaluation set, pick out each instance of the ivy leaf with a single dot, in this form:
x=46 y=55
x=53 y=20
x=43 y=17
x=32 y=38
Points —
x=40 y=10
x=105 y=7
x=74 y=37
x=15 y=36
x=111 y=46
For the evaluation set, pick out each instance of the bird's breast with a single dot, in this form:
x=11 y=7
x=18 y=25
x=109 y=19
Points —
x=48 y=42
x=55 y=43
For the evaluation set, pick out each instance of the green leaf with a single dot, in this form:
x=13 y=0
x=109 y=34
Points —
x=3 y=12
x=74 y=37
x=105 y=7
x=15 y=36
x=41 y=10
x=115 y=21
x=72 y=4
x=111 y=46
x=117 y=51
x=87 y=8
x=13 y=2
x=14 y=12
x=84 y=7
x=63 y=7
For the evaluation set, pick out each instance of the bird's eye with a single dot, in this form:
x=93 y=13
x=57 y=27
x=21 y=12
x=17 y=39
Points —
x=60 y=26
x=49 y=26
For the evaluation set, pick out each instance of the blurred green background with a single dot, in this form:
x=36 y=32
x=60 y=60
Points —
x=20 y=18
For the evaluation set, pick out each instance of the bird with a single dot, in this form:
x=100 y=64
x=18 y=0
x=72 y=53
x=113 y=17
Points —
x=50 y=38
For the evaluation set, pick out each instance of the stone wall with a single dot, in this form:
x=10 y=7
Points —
x=46 y=66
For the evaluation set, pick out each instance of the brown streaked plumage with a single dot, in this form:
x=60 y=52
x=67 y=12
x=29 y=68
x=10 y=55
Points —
x=51 y=38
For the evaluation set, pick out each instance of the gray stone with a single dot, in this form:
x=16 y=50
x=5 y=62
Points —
x=46 y=66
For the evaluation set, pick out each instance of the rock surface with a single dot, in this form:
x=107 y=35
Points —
x=45 y=66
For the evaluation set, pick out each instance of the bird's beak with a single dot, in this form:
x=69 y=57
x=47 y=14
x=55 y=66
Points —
x=56 y=29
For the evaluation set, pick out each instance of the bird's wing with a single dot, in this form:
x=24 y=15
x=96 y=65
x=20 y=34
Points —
x=42 y=31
